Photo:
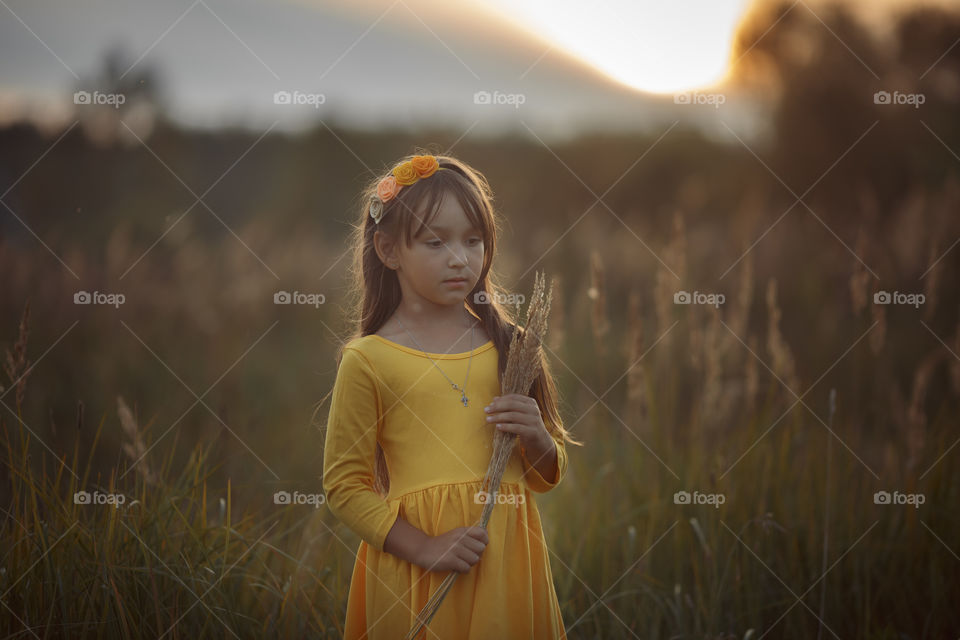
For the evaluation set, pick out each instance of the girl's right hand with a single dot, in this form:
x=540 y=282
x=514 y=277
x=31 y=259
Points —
x=456 y=550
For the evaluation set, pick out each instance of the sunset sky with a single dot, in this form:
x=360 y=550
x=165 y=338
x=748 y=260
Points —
x=553 y=66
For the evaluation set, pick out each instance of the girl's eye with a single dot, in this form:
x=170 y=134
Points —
x=438 y=243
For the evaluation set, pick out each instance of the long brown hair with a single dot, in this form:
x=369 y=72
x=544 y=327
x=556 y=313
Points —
x=375 y=290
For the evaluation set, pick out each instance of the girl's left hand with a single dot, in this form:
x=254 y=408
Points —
x=519 y=414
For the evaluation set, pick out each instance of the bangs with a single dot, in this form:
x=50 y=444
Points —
x=426 y=197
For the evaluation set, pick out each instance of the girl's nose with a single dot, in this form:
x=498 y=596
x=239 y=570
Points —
x=457 y=257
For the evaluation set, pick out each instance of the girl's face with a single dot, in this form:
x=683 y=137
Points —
x=448 y=247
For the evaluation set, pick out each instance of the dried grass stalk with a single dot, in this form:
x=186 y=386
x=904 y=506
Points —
x=17 y=365
x=523 y=367
x=637 y=374
x=860 y=278
x=916 y=418
x=783 y=361
x=598 y=294
x=136 y=448
x=879 y=313
x=558 y=320
x=933 y=279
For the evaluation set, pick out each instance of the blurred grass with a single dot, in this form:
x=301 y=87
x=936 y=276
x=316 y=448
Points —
x=174 y=560
x=193 y=552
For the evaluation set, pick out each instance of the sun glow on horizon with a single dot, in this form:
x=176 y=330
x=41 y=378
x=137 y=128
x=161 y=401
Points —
x=661 y=46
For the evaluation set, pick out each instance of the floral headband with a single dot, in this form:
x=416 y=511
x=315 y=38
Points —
x=403 y=175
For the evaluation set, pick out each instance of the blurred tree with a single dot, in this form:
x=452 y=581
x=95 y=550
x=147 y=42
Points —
x=821 y=69
x=123 y=91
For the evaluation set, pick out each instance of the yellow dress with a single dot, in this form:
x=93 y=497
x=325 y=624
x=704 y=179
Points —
x=437 y=453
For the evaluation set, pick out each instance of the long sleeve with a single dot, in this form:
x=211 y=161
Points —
x=537 y=482
x=350 y=452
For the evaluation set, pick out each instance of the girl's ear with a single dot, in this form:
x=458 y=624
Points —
x=386 y=249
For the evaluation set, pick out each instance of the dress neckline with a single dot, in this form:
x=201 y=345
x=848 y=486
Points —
x=435 y=356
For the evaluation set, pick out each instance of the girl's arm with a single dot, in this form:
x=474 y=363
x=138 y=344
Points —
x=350 y=452
x=455 y=550
x=544 y=460
x=545 y=468
x=406 y=541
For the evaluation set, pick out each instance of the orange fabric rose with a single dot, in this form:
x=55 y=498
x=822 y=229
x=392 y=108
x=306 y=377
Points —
x=405 y=174
x=388 y=188
x=425 y=166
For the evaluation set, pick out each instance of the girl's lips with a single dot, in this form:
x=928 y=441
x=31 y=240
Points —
x=455 y=283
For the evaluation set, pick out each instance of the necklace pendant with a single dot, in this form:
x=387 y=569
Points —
x=453 y=385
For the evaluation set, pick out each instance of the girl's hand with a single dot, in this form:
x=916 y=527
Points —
x=519 y=414
x=456 y=550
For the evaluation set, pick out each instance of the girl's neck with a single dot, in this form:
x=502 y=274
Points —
x=457 y=334
x=417 y=317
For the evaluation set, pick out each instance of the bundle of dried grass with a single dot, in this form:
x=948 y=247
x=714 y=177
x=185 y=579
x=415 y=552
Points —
x=523 y=367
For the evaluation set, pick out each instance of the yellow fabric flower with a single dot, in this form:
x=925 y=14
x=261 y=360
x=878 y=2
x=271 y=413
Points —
x=405 y=174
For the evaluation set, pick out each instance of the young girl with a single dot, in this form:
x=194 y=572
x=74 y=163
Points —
x=412 y=418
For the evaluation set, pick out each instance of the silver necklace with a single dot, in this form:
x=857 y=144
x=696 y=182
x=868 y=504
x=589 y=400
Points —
x=463 y=395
